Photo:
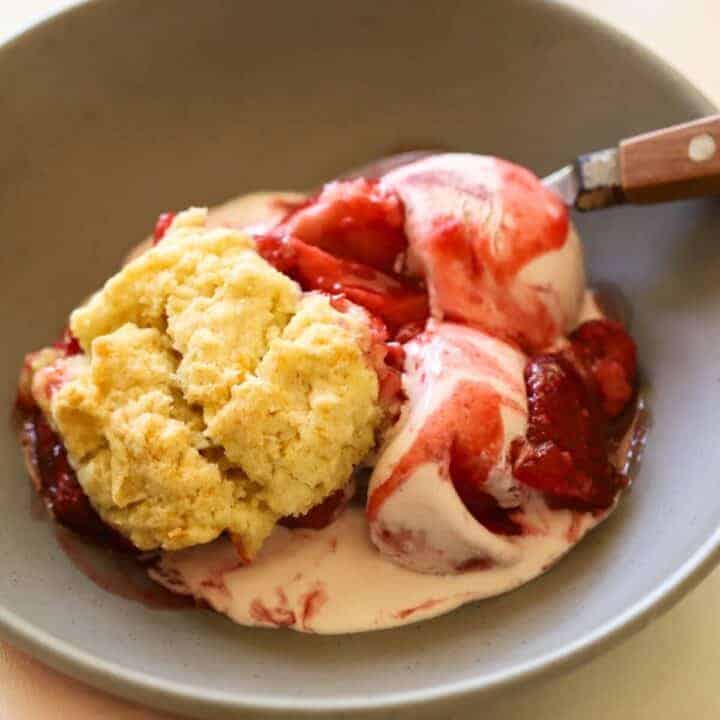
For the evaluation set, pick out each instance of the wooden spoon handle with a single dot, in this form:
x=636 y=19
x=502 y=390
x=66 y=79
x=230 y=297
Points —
x=671 y=164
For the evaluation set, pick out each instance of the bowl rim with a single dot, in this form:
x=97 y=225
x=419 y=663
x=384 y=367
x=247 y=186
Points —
x=130 y=684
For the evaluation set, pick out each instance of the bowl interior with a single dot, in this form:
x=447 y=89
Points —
x=117 y=111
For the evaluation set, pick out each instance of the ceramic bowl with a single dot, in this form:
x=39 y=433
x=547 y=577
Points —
x=115 y=111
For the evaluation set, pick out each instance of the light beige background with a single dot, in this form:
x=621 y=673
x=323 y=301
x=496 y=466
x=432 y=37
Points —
x=670 y=671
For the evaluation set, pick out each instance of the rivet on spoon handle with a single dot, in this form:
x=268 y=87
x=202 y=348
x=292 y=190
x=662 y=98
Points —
x=679 y=162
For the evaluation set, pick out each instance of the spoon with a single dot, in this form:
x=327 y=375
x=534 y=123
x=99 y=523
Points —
x=673 y=163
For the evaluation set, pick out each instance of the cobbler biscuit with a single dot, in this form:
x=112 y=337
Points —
x=214 y=395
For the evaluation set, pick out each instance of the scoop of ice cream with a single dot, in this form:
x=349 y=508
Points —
x=494 y=245
x=440 y=492
x=214 y=394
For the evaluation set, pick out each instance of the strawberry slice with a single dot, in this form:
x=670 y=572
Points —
x=355 y=220
x=397 y=302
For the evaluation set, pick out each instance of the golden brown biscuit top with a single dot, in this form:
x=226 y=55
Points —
x=214 y=395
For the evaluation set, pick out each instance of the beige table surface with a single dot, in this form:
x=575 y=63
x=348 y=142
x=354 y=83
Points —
x=670 y=671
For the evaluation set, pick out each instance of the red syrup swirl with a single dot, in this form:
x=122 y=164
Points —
x=463 y=436
x=498 y=219
x=482 y=506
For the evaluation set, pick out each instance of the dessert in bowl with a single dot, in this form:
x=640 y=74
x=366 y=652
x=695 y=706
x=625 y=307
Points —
x=401 y=377
x=190 y=118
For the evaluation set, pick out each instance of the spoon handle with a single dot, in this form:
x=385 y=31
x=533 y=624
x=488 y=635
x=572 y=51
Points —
x=678 y=162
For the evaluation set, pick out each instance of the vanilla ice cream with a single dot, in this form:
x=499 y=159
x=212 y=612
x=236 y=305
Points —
x=494 y=245
x=465 y=395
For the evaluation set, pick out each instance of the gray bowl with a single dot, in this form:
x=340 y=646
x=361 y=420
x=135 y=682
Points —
x=115 y=111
